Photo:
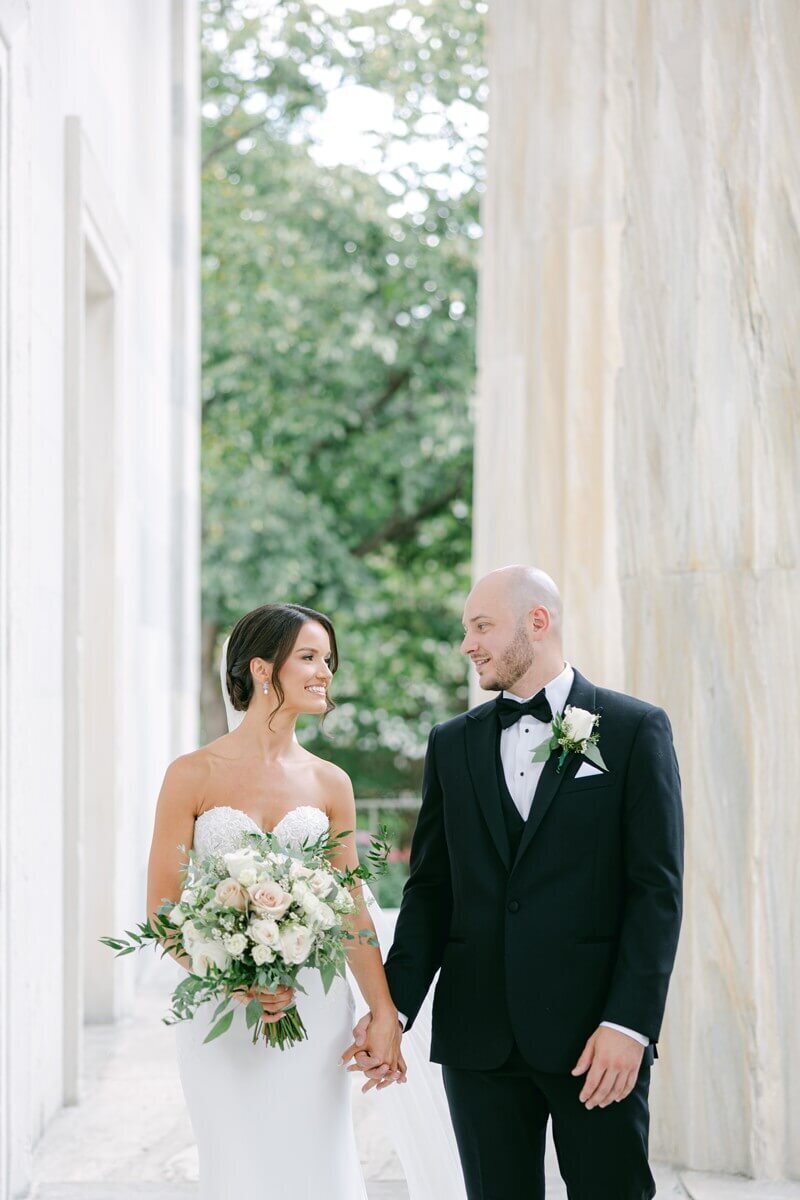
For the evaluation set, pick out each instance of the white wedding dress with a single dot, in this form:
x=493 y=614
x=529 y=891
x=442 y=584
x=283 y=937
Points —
x=272 y=1123
x=277 y=1124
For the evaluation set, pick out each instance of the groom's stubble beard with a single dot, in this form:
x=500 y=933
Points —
x=515 y=660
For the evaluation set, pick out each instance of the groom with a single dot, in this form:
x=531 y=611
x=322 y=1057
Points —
x=549 y=894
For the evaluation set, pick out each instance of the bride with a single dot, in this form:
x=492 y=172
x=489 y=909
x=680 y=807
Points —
x=278 y=1123
x=255 y=1109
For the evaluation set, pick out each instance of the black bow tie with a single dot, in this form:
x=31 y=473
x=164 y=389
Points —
x=510 y=711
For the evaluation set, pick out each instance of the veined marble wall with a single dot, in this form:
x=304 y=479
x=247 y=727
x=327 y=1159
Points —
x=639 y=437
x=99 y=420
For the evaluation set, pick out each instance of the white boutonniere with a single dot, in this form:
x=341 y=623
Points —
x=574 y=732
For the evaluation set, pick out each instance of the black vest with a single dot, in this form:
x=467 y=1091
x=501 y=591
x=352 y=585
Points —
x=511 y=814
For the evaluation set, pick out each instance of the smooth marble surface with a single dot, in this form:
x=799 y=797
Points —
x=639 y=437
x=99 y=507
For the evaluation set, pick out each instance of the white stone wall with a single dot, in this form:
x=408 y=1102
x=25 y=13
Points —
x=639 y=437
x=97 y=149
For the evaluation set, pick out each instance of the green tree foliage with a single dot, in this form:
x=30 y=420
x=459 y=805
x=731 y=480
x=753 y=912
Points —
x=338 y=352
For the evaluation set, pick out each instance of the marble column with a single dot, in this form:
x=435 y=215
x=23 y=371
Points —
x=639 y=437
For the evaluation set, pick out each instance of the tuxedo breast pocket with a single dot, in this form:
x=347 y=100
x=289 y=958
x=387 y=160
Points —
x=593 y=780
x=585 y=770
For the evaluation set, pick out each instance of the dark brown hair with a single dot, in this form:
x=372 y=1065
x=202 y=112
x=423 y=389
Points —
x=270 y=632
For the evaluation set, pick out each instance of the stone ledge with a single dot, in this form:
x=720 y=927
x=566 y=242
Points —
x=385 y=1190
x=701 y=1185
x=115 y=1191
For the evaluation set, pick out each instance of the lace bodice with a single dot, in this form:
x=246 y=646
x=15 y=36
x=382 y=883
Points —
x=219 y=830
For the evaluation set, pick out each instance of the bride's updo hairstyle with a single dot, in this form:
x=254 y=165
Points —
x=270 y=632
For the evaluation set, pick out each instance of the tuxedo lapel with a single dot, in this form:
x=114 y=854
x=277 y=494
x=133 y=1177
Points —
x=581 y=695
x=481 y=735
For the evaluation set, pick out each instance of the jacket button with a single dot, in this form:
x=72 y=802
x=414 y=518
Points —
x=513 y=906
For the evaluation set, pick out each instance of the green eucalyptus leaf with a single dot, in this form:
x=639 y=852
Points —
x=221 y=1027
x=223 y=1004
x=594 y=756
x=253 y=1013
x=543 y=751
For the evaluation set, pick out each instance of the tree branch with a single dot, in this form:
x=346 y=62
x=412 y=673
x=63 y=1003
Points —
x=395 y=381
x=225 y=143
x=400 y=526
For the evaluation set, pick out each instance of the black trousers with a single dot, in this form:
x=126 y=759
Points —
x=500 y=1119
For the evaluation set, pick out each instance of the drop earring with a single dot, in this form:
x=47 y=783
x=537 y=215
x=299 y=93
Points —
x=265 y=687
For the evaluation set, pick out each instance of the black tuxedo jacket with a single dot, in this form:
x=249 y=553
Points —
x=581 y=927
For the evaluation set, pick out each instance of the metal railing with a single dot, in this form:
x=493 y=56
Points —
x=374 y=807
x=389 y=802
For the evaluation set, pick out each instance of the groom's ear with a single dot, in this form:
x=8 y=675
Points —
x=539 y=618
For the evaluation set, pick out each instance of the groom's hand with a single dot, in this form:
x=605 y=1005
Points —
x=612 y=1060
x=379 y=1074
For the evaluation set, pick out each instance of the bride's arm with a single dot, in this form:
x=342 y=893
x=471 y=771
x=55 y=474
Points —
x=364 y=959
x=178 y=802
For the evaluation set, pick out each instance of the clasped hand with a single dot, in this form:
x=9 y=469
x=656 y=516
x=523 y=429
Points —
x=375 y=1051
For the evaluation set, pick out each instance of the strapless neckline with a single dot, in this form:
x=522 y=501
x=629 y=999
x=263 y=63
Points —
x=252 y=821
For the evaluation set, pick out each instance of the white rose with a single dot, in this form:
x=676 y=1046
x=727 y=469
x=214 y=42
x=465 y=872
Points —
x=324 y=917
x=263 y=954
x=578 y=723
x=296 y=943
x=321 y=883
x=265 y=932
x=309 y=903
x=190 y=935
x=248 y=877
x=177 y=916
x=206 y=954
x=299 y=891
x=230 y=894
x=235 y=944
x=269 y=899
x=318 y=912
x=298 y=871
x=241 y=860
x=188 y=896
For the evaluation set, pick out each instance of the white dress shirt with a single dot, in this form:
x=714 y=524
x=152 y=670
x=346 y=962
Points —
x=517 y=744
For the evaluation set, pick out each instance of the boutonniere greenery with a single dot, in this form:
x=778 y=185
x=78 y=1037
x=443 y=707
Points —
x=574 y=732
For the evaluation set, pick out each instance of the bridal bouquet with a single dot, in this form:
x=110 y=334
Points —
x=252 y=919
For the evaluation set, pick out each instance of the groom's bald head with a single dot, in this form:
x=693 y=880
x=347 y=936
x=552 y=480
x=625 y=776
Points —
x=527 y=588
x=521 y=589
x=512 y=619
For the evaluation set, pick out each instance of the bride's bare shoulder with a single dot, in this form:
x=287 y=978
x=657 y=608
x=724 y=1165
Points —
x=334 y=781
x=187 y=774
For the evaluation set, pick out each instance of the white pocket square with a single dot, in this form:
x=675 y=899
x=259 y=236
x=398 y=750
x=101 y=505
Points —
x=587 y=769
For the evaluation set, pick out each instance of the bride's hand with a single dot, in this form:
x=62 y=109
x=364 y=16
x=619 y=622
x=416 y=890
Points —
x=274 y=1004
x=376 y=1051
